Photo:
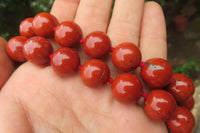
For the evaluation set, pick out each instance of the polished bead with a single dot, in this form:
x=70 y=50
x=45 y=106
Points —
x=37 y=50
x=97 y=44
x=15 y=48
x=182 y=122
x=44 y=24
x=65 y=61
x=160 y=105
x=68 y=34
x=26 y=28
x=156 y=73
x=94 y=73
x=189 y=104
x=181 y=87
x=126 y=56
x=127 y=88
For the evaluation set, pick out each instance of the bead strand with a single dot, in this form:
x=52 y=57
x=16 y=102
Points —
x=168 y=90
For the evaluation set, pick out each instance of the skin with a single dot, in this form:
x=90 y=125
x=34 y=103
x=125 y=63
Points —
x=7 y=66
x=36 y=99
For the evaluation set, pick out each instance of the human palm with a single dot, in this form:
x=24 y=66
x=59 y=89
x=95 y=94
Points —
x=36 y=99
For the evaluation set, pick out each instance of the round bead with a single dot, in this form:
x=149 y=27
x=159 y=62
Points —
x=15 y=48
x=181 y=87
x=26 y=29
x=189 y=104
x=182 y=122
x=127 y=88
x=126 y=56
x=65 y=60
x=44 y=24
x=37 y=50
x=160 y=105
x=94 y=73
x=97 y=44
x=68 y=34
x=156 y=73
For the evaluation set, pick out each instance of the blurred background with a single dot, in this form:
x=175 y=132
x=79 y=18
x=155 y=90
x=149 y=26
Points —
x=183 y=33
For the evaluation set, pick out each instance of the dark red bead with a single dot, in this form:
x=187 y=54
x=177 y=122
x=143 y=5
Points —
x=181 y=87
x=65 y=60
x=160 y=105
x=182 y=122
x=68 y=34
x=156 y=73
x=15 y=48
x=127 y=88
x=126 y=56
x=189 y=104
x=37 y=50
x=94 y=73
x=97 y=44
x=26 y=28
x=44 y=24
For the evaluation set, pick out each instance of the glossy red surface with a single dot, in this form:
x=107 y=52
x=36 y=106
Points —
x=160 y=105
x=26 y=29
x=37 y=50
x=189 y=104
x=127 y=88
x=15 y=48
x=44 y=24
x=65 y=60
x=94 y=73
x=156 y=73
x=182 y=122
x=68 y=34
x=126 y=56
x=182 y=87
x=97 y=44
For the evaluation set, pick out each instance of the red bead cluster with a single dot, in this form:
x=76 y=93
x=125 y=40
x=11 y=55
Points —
x=168 y=89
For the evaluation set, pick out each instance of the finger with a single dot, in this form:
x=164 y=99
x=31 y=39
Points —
x=65 y=9
x=6 y=66
x=93 y=15
x=153 y=32
x=125 y=21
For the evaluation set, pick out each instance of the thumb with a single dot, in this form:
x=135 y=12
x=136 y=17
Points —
x=6 y=64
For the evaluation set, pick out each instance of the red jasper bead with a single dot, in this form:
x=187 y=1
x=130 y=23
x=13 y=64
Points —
x=126 y=56
x=94 y=73
x=44 y=24
x=181 y=87
x=68 y=34
x=15 y=48
x=156 y=73
x=189 y=104
x=26 y=28
x=97 y=44
x=182 y=122
x=37 y=50
x=127 y=88
x=160 y=105
x=65 y=60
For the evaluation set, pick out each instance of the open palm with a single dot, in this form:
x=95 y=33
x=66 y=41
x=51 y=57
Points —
x=36 y=99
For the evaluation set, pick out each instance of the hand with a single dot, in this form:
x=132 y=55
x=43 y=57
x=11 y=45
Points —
x=36 y=99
